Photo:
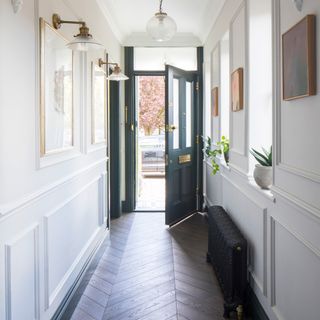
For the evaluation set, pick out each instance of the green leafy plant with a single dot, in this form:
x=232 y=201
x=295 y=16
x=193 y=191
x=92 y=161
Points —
x=222 y=148
x=264 y=157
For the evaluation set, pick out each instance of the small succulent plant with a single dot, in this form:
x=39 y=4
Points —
x=264 y=157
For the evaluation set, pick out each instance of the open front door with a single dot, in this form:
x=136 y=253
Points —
x=181 y=153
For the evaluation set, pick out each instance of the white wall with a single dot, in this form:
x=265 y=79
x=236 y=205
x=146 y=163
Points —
x=52 y=211
x=282 y=226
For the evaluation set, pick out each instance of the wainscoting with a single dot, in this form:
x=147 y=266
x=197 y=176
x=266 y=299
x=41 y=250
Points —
x=283 y=243
x=45 y=240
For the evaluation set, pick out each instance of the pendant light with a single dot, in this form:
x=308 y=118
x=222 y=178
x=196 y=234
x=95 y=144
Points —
x=82 y=41
x=116 y=74
x=161 y=27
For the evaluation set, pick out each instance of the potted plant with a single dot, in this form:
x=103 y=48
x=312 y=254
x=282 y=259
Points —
x=222 y=148
x=263 y=170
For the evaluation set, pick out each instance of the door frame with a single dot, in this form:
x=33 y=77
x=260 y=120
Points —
x=128 y=205
x=135 y=74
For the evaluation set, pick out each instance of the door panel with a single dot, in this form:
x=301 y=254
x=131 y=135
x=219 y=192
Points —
x=181 y=160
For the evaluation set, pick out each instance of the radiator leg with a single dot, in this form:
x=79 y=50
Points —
x=240 y=312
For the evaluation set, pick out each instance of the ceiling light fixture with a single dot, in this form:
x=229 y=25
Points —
x=116 y=75
x=82 y=41
x=161 y=27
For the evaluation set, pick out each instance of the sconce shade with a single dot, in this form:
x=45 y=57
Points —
x=117 y=75
x=161 y=27
x=81 y=43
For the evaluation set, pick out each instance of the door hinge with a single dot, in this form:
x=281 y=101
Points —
x=197 y=139
x=167 y=159
x=197 y=85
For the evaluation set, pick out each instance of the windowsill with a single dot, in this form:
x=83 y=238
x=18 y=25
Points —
x=221 y=161
x=265 y=192
x=250 y=180
x=224 y=164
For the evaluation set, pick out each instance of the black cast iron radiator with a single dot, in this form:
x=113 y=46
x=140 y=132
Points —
x=227 y=252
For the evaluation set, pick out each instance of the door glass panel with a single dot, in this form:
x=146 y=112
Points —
x=176 y=103
x=188 y=114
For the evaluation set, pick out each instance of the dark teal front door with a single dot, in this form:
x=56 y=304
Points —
x=181 y=138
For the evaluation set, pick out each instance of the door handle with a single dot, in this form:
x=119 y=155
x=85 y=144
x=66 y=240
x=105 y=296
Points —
x=173 y=127
x=170 y=128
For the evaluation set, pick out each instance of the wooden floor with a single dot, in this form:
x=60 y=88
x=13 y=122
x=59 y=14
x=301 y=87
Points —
x=151 y=272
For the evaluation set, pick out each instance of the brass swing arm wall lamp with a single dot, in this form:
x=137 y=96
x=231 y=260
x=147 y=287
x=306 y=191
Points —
x=82 y=41
x=116 y=75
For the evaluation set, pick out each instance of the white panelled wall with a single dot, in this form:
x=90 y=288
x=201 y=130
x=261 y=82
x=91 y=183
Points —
x=53 y=211
x=282 y=225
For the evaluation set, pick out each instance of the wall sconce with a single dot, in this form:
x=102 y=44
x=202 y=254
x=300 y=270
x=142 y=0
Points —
x=82 y=41
x=298 y=4
x=17 y=5
x=116 y=75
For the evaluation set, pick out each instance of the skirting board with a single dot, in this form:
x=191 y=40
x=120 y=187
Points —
x=255 y=309
x=70 y=301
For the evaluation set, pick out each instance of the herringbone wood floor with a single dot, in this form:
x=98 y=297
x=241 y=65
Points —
x=150 y=272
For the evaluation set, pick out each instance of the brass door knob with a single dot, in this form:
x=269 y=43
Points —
x=172 y=128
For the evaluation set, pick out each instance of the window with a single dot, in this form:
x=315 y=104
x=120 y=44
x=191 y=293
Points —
x=151 y=59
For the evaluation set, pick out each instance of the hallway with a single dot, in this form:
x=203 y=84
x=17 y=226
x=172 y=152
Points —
x=150 y=272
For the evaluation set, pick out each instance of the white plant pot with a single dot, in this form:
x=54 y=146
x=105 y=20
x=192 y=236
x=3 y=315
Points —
x=263 y=176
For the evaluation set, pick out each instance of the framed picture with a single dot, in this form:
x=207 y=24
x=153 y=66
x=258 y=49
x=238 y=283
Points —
x=215 y=101
x=237 y=90
x=299 y=60
x=56 y=92
x=98 y=104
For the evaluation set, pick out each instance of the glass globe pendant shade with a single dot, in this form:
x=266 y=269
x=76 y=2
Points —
x=161 y=27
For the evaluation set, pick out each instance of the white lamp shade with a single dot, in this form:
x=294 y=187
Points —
x=117 y=77
x=81 y=43
x=161 y=27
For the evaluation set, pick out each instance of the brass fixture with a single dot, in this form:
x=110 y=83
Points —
x=83 y=40
x=116 y=75
x=184 y=158
x=170 y=128
x=240 y=312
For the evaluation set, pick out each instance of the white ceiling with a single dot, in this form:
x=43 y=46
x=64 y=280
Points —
x=128 y=18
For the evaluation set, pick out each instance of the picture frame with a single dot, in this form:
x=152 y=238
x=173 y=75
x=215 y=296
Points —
x=99 y=103
x=56 y=92
x=299 y=60
x=215 y=102
x=237 y=90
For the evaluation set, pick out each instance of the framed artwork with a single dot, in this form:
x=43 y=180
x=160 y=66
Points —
x=98 y=104
x=56 y=92
x=299 y=60
x=215 y=101
x=237 y=90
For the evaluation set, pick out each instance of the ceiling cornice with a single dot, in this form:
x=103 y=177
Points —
x=212 y=13
x=113 y=25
